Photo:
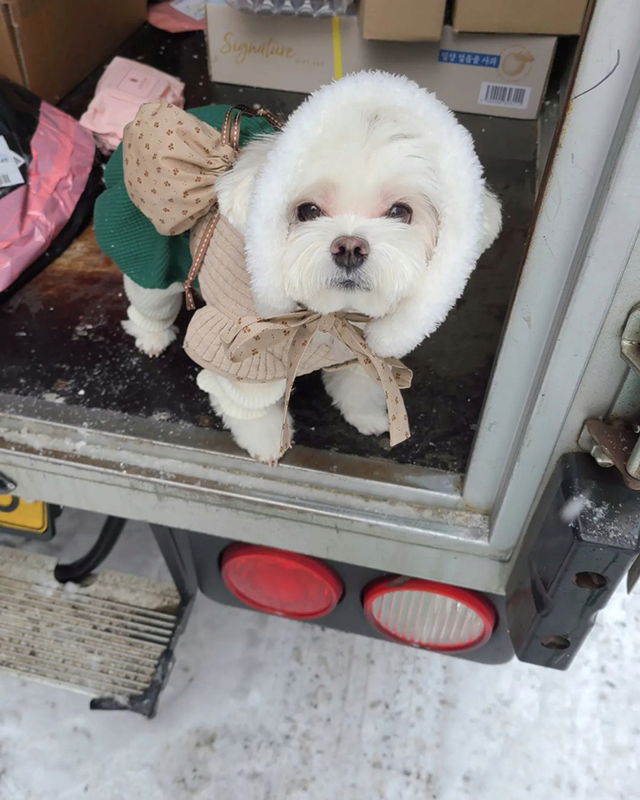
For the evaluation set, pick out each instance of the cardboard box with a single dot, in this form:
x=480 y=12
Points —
x=500 y=75
x=402 y=20
x=49 y=46
x=559 y=17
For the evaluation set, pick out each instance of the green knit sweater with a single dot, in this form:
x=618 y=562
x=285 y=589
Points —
x=151 y=260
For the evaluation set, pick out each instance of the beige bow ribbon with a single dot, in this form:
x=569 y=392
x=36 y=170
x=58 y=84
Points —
x=172 y=161
x=171 y=165
x=257 y=334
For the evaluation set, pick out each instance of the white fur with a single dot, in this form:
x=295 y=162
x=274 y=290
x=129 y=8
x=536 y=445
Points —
x=241 y=400
x=253 y=412
x=359 y=399
x=259 y=437
x=372 y=134
x=234 y=187
x=354 y=148
x=151 y=343
x=491 y=219
x=151 y=315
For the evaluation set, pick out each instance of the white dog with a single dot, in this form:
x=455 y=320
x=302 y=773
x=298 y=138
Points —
x=371 y=200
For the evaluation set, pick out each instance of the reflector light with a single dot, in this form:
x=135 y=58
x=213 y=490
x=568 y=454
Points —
x=279 y=582
x=429 y=614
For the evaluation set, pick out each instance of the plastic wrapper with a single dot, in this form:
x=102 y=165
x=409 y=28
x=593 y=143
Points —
x=178 y=16
x=125 y=85
x=299 y=8
x=49 y=179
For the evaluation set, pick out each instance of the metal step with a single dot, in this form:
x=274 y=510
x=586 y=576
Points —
x=111 y=637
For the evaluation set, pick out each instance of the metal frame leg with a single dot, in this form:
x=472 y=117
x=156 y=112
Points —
x=176 y=550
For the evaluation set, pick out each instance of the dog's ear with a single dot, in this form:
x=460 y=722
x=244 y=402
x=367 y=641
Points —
x=234 y=187
x=491 y=218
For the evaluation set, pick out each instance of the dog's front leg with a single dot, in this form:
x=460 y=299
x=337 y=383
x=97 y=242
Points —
x=151 y=315
x=253 y=412
x=359 y=399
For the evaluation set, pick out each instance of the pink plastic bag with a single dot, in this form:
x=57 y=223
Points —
x=123 y=88
x=41 y=194
x=177 y=16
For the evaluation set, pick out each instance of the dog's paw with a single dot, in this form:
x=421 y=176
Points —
x=151 y=343
x=260 y=437
x=369 y=423
x=360 y=401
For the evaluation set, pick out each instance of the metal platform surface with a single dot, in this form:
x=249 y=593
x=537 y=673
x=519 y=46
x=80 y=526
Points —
x=108 y=639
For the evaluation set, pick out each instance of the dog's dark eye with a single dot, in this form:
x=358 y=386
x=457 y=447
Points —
x=308 y=211
x=400 y=211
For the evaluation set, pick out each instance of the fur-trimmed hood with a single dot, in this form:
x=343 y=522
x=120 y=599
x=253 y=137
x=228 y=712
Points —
x=466 y=226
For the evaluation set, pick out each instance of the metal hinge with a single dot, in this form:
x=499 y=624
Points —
x=615 y=442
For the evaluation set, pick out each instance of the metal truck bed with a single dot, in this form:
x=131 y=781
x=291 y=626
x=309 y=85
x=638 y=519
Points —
x=88 y=421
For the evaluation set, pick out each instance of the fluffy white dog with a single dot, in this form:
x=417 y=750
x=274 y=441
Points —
x=372 y=200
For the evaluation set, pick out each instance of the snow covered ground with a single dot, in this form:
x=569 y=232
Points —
x=259 y=708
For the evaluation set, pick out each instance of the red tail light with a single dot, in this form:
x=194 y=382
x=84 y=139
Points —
x=429 y=614
x=279 y=582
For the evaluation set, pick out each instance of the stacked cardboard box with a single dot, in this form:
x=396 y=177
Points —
x=558 y=17
x=402 y=20
x=422 y=20
x=499 y=75
x=49 y=46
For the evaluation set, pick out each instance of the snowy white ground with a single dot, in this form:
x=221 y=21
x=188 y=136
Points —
x=259 y=708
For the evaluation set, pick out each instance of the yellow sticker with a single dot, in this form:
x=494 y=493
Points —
x=18 y=515
x=337 y=49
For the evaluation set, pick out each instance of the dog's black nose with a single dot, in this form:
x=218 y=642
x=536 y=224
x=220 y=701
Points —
x=349 y=252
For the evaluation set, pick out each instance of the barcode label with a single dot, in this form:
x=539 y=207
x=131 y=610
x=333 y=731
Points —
x=4 y=148
x=504 y=95
x=10 y=175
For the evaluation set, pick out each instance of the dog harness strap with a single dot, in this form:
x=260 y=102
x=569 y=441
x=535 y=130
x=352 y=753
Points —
x=229 y=137
x=256 y=335
x=230 y=133
x=198 y=260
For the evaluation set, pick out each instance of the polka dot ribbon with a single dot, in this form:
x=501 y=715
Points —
x=255 y=335
x=229 y=138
